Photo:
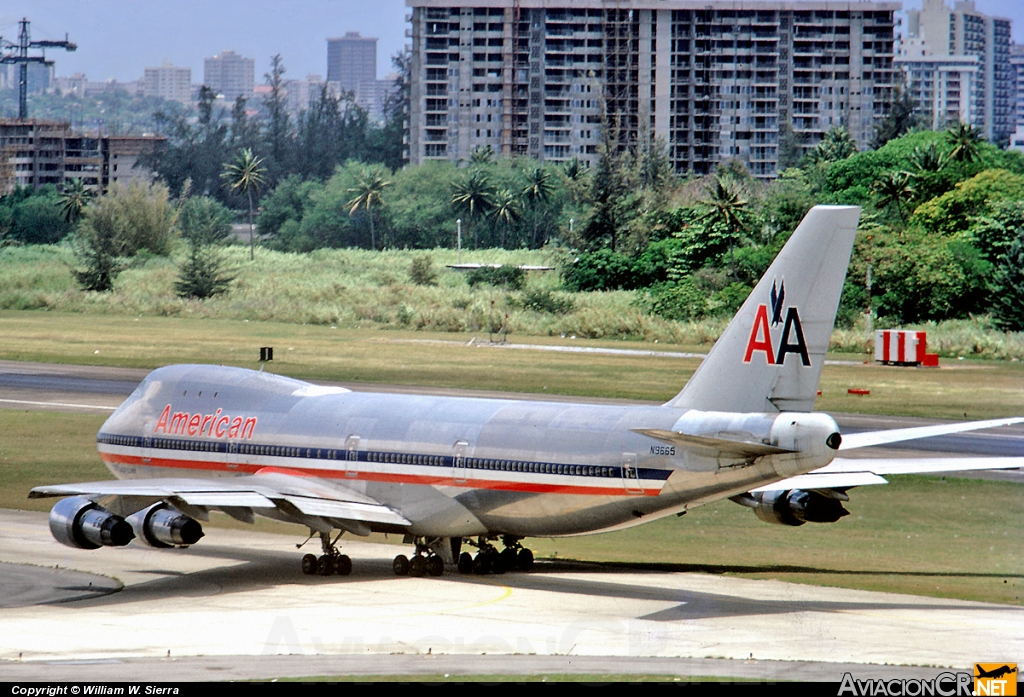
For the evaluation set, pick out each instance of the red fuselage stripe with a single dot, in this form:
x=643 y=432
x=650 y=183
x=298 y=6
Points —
x=473 y=481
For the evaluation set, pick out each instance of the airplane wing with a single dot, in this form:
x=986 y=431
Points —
x=845 y=473
x=305 y=500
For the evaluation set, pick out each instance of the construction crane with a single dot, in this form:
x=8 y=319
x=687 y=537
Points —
x=17 y=54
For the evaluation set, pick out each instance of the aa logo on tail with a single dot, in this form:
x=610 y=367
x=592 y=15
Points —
x=791 y=338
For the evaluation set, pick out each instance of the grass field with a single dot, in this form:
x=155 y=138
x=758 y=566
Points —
x=354 y=288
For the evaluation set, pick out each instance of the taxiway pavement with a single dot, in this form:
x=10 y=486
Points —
x=238 y=597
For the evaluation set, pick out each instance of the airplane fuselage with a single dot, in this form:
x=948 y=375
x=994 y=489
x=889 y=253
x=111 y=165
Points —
x=453 y=466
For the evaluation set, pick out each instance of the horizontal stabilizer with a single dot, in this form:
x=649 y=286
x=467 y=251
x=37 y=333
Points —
x=721 y=445
x=844 y=473
x=897 y=435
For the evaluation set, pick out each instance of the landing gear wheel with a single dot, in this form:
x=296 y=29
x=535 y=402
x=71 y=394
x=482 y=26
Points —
x=401 y=565
x=465 y=563
x=325 y=565
x=524 y=560
x=497 y=563
x=417 y=566
x=309 y=564
x=343 y=565
x=482 y=564
x=435 y=565
x=508 y=559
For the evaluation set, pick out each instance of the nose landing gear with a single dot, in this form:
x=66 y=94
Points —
x=330 y=562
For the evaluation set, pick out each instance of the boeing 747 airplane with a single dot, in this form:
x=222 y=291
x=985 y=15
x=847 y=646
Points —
x=451 y=474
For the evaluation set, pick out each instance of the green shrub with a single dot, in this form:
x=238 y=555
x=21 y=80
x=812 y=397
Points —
x=506 y=275
x=543 y=300
x=421 y=270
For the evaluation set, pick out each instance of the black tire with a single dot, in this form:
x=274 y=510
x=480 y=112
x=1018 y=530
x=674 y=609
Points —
x=465 y=563
x=508 y=559
x=343 y=565
x=497 y=563
x=524 y=560
x=401 y=565
x=324 y=565
x=417 y=566
x=309 y=564
x=482 y=564
x=435 y=565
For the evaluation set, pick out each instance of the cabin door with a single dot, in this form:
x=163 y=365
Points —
x=352 y=456
x=630 y=474
x=459 y=462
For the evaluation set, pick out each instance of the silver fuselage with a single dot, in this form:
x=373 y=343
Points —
x=453 y=466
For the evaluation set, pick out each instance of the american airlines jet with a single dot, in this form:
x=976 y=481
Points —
x=453 y=474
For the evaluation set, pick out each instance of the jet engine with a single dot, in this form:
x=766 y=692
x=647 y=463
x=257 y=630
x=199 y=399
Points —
x=795 y=506
x=79 y=522
x=160 y=525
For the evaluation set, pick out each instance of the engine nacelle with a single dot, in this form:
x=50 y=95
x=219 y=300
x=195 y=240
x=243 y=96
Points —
x=160 y=525
x=795 y=507
x=79 y=522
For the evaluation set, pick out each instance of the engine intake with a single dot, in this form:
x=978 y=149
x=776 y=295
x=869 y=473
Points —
x=79 y=522
x=160 y=525
x=794 y=507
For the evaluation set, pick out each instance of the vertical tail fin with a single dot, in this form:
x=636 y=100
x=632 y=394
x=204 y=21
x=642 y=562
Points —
x=770 y=356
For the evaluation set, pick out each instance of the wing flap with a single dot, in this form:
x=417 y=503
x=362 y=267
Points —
x=346 y=510
x=233 y=499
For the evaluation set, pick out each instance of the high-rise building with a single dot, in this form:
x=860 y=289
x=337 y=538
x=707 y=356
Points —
x=351 y=60
x=938 y=30
x=714 y=79
x=943 y=87
x=1017 y=62
x=230 y=75
x=168 y=82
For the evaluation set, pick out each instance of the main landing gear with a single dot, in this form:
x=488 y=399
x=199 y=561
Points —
x=330 y=562
x=488 y=559
x=424 y=561
x=429 y=557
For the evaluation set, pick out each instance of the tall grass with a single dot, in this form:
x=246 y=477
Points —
x=360 y=288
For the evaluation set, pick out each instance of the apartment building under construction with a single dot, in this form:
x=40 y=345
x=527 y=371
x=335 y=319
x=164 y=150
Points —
x=35 y=153
x=715 y=79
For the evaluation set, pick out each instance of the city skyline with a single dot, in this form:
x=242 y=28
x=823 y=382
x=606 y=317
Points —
x=120 y=38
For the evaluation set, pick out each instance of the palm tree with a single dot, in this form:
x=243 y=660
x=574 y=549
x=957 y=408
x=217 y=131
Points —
x=473 y=196
x=928 y=160
x=481 y=156
x=966 y=140
x=894 y=187
x=246 y=175
x=73 y=200
x=506 y=210
x=726 y=208
x=538 y=191
x=837 y=144
x=368 y=194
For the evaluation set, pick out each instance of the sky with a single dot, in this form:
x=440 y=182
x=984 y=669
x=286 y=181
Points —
x=120 y=38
